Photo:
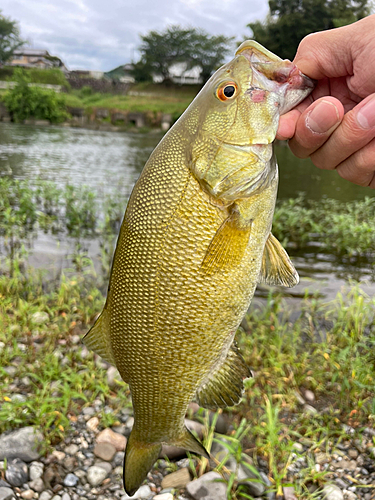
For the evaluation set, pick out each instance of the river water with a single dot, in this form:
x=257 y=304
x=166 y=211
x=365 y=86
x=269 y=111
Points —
x=105 y=160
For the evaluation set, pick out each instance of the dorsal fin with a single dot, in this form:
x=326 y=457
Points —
x=277 y=269
x=97 y=339
x=224 y=387
x=226 y=248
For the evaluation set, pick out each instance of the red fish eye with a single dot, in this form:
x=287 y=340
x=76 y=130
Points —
x=227 y=91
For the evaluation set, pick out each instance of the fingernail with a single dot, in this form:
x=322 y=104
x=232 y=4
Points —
x=323 y=117
x=366 y=115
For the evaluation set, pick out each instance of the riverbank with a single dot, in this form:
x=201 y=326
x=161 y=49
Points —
x=143 y=107
x=306 y=419
x=307 y=415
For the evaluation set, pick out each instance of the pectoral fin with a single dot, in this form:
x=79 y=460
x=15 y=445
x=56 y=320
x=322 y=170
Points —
x=97 y=339
x=225 y=386
x=277 y=269
x=226 y=248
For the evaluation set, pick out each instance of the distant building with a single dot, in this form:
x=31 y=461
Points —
x=179 y=74
x=35 y=58
x=121 y=74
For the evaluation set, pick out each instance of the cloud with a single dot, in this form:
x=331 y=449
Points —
x=97 y=35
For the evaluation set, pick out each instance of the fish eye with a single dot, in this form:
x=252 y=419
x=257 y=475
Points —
x=226 y=91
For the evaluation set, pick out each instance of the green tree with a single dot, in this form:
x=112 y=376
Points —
x=194 y=47
x=29 y=101
x=289 y=21
x=10 y=39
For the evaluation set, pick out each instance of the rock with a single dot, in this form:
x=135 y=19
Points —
x=298 y=447
x=105 y=451
x=321 y=458
x=299 y=398
x=112 y=375
x=16 y=472
x=6 y=494
x=60 y=455
x=204 y=488
x=28 y=494
x=36 y=470
x=72 y=449
x=46 y=495
x=37 y=484
x=104 y=465
x=40 y=318
x=93 y=424
x=22 y=443
x=220 y=452
x=115 y=439
x=119 y=458
x=332 y=492
x=353 y=453
x=349 y=495
x=56 y=497
x=143 y=492
x=309 y=409
x=70 y=463
x=70 y=479
x=253 y=485
x=309 y=396
x=178 y=479
x=65 y=496
x=164 y=496
x=172 y=452
x=96 y=475
x=289 y=493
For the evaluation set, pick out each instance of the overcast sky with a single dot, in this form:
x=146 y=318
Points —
x=102 y=34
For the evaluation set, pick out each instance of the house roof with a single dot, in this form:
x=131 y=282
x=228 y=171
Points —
x=31 y=52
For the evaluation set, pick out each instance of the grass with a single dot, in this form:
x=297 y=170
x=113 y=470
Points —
x=150 y=100
x=345 y=229
x=46 y=378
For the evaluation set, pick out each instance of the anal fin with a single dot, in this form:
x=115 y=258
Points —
x=225 y=386
x=226 y=248
x=191 y=443
x=277 y=269
x=97 y=339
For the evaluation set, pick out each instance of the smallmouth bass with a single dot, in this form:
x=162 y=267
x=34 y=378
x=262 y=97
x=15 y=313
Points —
x=195 y=241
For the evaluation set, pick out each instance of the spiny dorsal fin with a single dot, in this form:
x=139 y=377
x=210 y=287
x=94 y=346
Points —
x=225 y=386
x=226 y=248
x=97 y=339
x=277 y=268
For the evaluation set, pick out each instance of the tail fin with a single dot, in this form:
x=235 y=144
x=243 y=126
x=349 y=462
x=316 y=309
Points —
x=139 y=458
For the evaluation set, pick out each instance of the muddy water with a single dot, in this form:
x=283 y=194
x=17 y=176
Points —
x=104 y=160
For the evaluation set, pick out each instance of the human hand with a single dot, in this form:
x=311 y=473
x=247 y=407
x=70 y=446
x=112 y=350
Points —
x=335 y=125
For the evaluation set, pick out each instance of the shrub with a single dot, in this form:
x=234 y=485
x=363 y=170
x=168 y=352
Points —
x=25 y=101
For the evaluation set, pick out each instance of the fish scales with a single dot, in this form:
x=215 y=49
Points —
x=194 y=243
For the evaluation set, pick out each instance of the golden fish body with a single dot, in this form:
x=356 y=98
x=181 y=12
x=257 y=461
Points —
x=194 y=243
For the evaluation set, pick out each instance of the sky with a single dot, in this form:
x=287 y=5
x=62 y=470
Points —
x=102 y=34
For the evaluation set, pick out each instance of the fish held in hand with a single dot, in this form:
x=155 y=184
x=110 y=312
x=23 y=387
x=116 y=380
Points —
x=194 y=243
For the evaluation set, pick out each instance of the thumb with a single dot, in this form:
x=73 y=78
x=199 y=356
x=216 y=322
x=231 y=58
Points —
x=315 y=125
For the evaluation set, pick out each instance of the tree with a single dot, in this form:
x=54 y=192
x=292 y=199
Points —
x=29 y=101
x=194 y=47
x=10 y=39
x=291 y=20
